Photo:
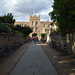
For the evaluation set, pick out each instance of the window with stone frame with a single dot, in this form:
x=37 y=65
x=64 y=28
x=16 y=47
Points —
x=44 y=26
x=48 y=26
x=36 y=23
x=22 y=25
x=25 y=25
x=32 y=23
x=37 y=29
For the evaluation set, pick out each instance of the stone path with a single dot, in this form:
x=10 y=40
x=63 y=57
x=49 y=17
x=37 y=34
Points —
x=34 y=62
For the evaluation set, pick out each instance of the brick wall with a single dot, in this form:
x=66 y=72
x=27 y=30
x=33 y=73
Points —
x=10 y=39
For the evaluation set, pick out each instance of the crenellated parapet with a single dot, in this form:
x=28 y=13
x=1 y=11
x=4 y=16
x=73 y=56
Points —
x=34 y=18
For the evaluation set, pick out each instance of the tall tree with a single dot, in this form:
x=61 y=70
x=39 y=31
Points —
x=6 y=23
x=64 y=14
x=8 y=19
x=24 y=30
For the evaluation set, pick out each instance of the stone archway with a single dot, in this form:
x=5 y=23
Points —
x=34 y=35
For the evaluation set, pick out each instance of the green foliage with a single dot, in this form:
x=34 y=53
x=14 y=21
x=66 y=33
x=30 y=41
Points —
x=4 y=28
x=6 y=23
x=64 y=14
x=24 y=30
x=18 y=32
x=43 y=35
x=7 y=19
x=33 y=35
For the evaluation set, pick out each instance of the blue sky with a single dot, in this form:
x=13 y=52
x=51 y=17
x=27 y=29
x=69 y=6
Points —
x=22 y=8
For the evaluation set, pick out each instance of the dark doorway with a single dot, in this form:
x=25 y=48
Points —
x=34 y=35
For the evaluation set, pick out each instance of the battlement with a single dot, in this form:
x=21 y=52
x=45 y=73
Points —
x=34 y=17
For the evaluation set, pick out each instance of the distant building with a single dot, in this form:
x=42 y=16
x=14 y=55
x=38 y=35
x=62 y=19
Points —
x=37 y=26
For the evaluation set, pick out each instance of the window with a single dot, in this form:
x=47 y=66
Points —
x=43 y=26
x=36 y=23
x=25 y=25
x=22 y=25
x=48 y=26
x=36 y=29
x=32 y=23
x=32 y=29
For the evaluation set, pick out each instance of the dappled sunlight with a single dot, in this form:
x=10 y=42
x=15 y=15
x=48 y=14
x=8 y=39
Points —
x=63 y=62
x=41 y=44
x=60 y=61
x=73 y=69
x=72 y=74
x=55 y=56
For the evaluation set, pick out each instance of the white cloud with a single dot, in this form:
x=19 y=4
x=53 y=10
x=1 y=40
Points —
x=22 y=8
x=10 y=5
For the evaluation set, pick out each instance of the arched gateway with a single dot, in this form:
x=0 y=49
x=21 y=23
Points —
x=34 y=35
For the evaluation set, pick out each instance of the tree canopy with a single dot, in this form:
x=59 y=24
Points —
x=7 y=19
x=64 y=14
x=6 y=23
x=23 y=30
x=4 y=28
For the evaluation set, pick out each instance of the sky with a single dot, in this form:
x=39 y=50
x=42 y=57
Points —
x=21 y=9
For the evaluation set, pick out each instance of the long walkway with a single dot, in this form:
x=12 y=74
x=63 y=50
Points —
x=34 y=62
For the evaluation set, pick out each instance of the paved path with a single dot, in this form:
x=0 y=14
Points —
x=34 y=62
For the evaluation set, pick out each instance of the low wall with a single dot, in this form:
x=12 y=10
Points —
x=68 y=39
x=10 y=39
